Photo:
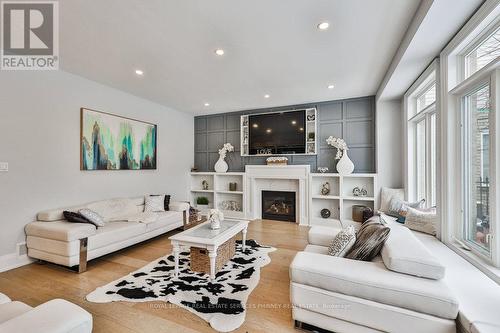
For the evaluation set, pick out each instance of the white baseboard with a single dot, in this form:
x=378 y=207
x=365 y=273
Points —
x=12 y=260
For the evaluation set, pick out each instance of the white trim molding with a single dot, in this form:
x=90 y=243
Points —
x=13 y=260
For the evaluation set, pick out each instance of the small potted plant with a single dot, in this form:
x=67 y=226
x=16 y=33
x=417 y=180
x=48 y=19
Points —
x=202 y=203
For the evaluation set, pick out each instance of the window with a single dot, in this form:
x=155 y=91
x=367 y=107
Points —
x=426 y=98
x=475 y=165
x=469 y=125
x=483 y=54
x=420 y=106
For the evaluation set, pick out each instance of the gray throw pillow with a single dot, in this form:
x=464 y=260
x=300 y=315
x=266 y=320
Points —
x=369 y=241
x=343 y=242
x=92 y=216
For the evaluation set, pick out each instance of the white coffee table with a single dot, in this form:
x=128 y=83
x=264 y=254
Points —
x=202 y=236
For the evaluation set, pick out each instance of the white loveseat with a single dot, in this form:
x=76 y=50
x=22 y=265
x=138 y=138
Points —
x=53 y=239
x=402 y=290
x=55 y=316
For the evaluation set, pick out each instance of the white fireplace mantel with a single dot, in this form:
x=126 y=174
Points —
x=277 y=178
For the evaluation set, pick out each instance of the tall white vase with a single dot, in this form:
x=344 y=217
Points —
x=345 y=166
x=221 y=165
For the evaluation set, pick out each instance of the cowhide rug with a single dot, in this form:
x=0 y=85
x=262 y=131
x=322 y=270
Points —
x=220 y=302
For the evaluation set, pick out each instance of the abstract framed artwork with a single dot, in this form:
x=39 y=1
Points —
x=111 y=142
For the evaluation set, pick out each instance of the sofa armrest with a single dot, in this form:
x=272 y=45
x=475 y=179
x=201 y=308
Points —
x=322 y=236
x=60 y=230
x=55 y=316
x=178 y=206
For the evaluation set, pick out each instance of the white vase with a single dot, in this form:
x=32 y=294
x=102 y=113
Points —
x=345 y=166
x=214 y=223
x=221 y=165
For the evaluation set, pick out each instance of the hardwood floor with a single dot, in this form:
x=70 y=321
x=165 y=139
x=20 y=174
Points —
x=268 y=308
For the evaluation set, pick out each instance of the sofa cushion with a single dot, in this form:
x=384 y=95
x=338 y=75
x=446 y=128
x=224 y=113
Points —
x=373 y=281
x=164 y=219
x=114 y=232
x=404 y=253
x=154 y=203
x=369 y=240
x=423 y=221
x=386 y=194
x=343 y=242
x=60 y=230
x=92 y=216
x=12 y=309
x=113 y=208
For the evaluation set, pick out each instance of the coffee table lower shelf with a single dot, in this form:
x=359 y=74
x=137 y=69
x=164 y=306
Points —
x=200 y=261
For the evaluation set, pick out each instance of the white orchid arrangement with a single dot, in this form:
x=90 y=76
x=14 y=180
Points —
x=339 y=144
x=215 y=215
x=225 y=149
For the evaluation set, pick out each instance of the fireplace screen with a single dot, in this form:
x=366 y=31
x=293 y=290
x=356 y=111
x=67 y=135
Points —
x=278 y=205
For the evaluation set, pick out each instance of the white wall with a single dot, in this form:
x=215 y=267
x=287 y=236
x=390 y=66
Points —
x=389 y=138
x=39 y=137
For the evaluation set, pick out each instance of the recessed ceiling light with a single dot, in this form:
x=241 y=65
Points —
x=269 y=130
x=331 y=86
x=323 y=25
x=266 y=96
x=301 y=129
x=294 y=122
x=207 y=104
x=139 y=72
x=219 y=52
x=255 y=125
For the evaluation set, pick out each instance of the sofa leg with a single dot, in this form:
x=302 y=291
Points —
x=298 y=324
x=184 y=219
x=82 y=265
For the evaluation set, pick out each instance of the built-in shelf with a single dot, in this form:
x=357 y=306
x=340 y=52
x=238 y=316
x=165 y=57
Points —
x=219 y=194
x=340 y=200
x=326 y=197
x=230 y=192
x=359 y=198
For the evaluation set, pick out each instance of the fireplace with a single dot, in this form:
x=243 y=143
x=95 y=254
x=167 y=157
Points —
x=278 y=205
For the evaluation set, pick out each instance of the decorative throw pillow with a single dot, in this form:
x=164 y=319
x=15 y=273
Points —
x=386 y=196
x=166 y=200
x=92 y=217
x=369 y=241
x=74 y=217
x=154 y=203
x=423 y=221
x=398 y=207
x=343 y=242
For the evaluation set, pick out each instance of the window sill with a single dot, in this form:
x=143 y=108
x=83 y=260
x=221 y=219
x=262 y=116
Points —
x=488 y=269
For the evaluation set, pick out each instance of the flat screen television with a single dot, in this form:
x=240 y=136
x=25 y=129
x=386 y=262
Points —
x=277 y=133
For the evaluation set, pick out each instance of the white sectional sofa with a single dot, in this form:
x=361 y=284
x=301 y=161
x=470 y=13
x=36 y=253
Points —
x=55 y=316
x=53 y=239
x=402 y=290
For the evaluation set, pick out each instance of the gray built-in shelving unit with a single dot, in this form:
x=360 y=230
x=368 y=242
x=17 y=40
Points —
x=350 y=119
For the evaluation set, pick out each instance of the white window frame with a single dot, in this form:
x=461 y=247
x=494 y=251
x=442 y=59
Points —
x=453 y=84
x=465 y=180
x=411 y=117
x=482 y=148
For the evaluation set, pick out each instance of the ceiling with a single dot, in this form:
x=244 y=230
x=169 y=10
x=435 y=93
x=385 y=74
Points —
x=271 y=47
x=432 y=28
